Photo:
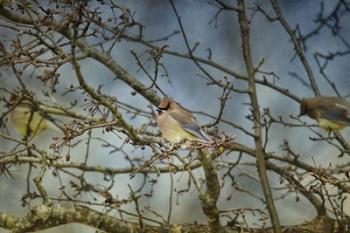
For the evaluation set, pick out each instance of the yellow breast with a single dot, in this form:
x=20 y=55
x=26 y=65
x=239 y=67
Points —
x=330 y=125
x=172 y=130
x=176 y=134
x=23 y=120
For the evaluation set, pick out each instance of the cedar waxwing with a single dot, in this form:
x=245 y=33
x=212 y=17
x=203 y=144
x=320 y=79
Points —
x=29 y=121
x=331 y=113
x=5 y=2
x=177 y=124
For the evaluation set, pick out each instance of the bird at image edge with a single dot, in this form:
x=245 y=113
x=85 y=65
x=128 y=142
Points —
x=331 y=113
x=29 y=121
x=177 y=124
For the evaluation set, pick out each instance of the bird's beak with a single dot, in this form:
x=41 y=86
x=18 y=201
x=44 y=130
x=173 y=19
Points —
x=160 y=110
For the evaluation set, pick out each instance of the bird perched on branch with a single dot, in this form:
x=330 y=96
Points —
x=6 y=2
x=29 y=120
x=331 y=113
x=178 y=125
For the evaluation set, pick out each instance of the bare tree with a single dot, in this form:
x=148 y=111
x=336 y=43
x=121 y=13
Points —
x=95 y=71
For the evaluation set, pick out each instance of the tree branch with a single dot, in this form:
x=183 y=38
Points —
x=260 y=158
x=210 y=198
x=297 y=47
x=47 y=216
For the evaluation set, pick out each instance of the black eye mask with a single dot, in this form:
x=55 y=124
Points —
x=164 y=108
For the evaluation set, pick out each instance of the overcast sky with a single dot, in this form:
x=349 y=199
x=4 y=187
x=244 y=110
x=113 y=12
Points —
x=268 y=40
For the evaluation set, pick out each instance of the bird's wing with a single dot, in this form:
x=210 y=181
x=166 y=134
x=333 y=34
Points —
x=183 y=111
x=337 y=112
x=190 y=126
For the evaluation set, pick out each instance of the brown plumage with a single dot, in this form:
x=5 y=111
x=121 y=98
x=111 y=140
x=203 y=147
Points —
x=177 y=124
x=331 y=113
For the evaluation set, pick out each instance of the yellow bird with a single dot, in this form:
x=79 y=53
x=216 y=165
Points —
x=331 y=113
x=5 y=2
x=177 y=124
x=28 y=121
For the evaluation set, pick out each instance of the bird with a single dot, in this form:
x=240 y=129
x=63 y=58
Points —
x=331 y=113
x=6 y=2
x=178 y=124
x=29 y=121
